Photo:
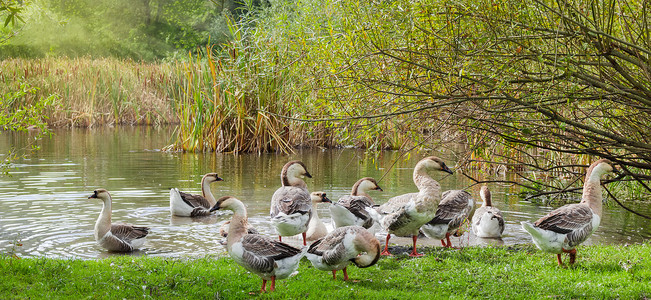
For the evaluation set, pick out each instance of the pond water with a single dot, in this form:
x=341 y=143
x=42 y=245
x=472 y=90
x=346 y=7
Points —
x=44 y=205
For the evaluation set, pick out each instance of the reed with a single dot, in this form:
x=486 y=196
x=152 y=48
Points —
x=96 y=91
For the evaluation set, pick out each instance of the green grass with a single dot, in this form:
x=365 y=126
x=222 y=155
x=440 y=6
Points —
x=503 y=272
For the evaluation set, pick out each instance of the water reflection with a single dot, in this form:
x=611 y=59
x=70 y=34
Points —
x=44 y=204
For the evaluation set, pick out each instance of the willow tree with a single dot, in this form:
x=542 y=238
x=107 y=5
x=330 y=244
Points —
x=547 y=86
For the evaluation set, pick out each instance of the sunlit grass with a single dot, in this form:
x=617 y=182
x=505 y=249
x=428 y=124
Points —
x=503 y=272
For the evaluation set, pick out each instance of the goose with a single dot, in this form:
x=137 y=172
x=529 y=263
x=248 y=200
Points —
x=291 y=206
x=261 y=255
x=566 y=227
x=453 y=210
x=487 y=221
x=404 y=215
x=223 y=230
x=315 y=228
x=116 y=237
x=341 y=247
x=188 y=205
x=356 y=208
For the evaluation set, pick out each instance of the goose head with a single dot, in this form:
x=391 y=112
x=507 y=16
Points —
x=364 y=185
x=599 y=168
x=485 y=195
x=371 y=250
x=211 y=177
x=101 y=194
x=319 y=197
x=292 y=172
x=433 y=163
x=228 y=203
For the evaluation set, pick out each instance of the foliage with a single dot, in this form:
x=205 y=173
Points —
x=620 y=271
x=22 y=110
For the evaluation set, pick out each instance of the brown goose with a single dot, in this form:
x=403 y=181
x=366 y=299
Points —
x=404 y=215
x=341 y=247
x=453 y=210
x=356 y=208
x=269 y=259
x=291 y=206
x=487 y=222
x=188 y=205
x=316 y=229
x=116 y=237
x=568 y=226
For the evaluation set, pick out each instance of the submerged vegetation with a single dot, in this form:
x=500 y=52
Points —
x=622 y=272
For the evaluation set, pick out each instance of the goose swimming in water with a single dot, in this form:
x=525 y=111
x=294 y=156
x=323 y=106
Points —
x=291 y=205
x=356 y=208
x=487 y=221
x=116 y=237
x=268 y=258
x=188 y=205
x=344 y=245
x=453 y=210
x=566 y=227
x=404 y=215
x=316 y=229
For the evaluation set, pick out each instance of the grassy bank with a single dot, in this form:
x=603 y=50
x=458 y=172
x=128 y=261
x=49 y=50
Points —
x=505 y=272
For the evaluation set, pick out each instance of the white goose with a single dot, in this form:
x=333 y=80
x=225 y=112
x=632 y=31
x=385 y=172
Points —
x=487 y=221
x=568 y=226
x=341 y=247
x=188 y=205
x=291 y=206
x=404 y=215
x=316 y=229
x=356 y=208
x=116 y=237
x=268 y=258
x=453 y=210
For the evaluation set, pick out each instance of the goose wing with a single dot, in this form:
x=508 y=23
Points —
x=290 y=200
x=331 y=248
x=356 y=205
x=396 y=203
x=128 y=233
x=261 y=252
x=453 y=209
x=575 y=220
x=195 y=200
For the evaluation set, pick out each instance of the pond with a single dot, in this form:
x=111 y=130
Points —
x=44 y=210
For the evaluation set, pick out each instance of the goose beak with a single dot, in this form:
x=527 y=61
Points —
x=94 y=195
x=217 y=178
x=377 y=188
x=214 y=208
x=445 y=168
x=325 y=199
x=307 y=174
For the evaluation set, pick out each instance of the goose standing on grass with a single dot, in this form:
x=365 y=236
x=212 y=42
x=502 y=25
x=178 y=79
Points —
x=356 y=208
x=268 y=258
x=404 y=215
x=116 y=237
x=487 y=221
x=453 y=210
x=341 y=247
x=568 y=226
x=316 y=229
x=188 y=205
x=291 y=206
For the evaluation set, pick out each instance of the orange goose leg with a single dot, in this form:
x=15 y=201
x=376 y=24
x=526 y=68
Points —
x=386 y=246
x=334 y=274
x=560 y=260
x=304 y=237
x=273 y=284
x=280 y=238
x=572 y=254
x=264 y=286
x=447 y=237
x=345 y=274
x=414 y=253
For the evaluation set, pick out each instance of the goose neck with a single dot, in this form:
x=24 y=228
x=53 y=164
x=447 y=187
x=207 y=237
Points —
x=103 y=224
x=207 y=193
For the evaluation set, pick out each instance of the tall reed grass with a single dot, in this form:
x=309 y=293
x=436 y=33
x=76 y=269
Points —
x=96 y=91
